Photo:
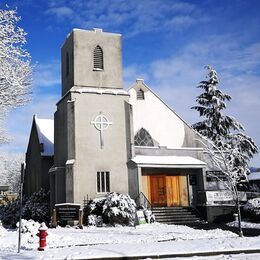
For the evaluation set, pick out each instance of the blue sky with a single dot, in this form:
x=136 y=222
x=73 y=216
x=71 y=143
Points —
x=165 y=42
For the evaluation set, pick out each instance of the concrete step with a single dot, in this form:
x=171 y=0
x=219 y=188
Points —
x=162 y=213
x=176 y=215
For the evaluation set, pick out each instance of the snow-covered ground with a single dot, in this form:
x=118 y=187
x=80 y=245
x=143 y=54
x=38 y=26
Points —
x=148 y=239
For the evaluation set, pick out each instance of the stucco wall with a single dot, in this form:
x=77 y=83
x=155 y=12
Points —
x=89 y=157
x=80 y=45
x=165 y=126
x=61 y=147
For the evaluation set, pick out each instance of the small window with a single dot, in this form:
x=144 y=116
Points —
x=140 y=94
x=67 y=64
x=98 y=58
x=143 y=138
x=103 y=182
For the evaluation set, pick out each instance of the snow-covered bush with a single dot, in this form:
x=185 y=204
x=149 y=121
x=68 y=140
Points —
x=119 y=209
x=252 y=208
x=114 y=208
x=94 y=220
x=35 y=207
x=9 y=213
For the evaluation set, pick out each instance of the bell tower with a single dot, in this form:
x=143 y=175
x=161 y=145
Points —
x=92 y=122
x=91 y=59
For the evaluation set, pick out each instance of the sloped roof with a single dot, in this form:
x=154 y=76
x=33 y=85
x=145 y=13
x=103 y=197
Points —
x=168 y=161
x=45 y=130
x=254 y=176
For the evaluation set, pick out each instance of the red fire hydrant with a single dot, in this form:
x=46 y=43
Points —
x=42 y=236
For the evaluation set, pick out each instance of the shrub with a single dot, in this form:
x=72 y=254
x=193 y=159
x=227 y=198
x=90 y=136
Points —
x=9 y=213
x=35 y=207
x=252 y=209
x=114 y=209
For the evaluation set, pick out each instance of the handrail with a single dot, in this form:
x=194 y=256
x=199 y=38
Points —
x=142 y=202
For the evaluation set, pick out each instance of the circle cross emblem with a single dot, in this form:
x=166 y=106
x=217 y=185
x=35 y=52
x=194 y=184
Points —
x=101 y=122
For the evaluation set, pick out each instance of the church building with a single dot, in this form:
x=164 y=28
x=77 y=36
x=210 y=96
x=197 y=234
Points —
x=106 y=139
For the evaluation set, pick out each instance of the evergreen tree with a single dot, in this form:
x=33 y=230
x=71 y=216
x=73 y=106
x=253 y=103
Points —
x=225 y=131
x=228 y=147
x=211 y=103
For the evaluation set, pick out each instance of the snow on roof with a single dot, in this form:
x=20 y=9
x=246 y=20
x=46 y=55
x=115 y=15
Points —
x=45 y=130
x=168 y=161
x=254 y=176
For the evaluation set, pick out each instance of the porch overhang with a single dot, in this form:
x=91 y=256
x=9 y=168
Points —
x=145 y=161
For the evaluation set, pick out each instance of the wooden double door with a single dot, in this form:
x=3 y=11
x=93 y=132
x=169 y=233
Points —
x=168 y=190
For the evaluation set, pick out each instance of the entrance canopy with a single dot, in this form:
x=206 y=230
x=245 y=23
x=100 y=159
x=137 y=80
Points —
x=168 y=161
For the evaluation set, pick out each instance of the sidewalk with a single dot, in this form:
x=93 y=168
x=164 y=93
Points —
x=169 y=249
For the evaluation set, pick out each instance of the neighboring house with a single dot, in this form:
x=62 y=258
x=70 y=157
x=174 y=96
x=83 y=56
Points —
x=254 y=181
x=108 y=139
x=39 y=156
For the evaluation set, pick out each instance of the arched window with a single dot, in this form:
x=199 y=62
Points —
x=67 y=64
x=98 y=58
x=140 y=94
x=143 y=138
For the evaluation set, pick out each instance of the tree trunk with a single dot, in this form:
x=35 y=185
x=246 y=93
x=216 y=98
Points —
x=240 y=231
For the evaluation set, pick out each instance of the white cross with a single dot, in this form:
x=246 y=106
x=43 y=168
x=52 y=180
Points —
x=101 y=123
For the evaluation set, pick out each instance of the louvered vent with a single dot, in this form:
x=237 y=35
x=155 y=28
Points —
x=98 y=58
x=140 y=94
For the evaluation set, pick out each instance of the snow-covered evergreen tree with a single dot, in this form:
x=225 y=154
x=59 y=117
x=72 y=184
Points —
x=228 y=147
x=211 y=104
x=15 y=67
x=225 y=131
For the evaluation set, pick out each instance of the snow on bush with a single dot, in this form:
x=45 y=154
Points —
x=36 y=207
x=252 y=208
x=114 y=209
x=119 y=209
x=94 y=220
x=9 y=213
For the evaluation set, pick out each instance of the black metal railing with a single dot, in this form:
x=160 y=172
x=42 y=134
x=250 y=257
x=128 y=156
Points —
x=86 y=201
x=142 y=202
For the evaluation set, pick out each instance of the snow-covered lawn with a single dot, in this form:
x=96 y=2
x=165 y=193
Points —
x=245 y=224
x=148 y=239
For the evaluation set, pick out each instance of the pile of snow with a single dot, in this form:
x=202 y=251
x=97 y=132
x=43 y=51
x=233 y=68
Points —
x=28 y=226
x=244 y=224
x=2 y=229
x=30 y=229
